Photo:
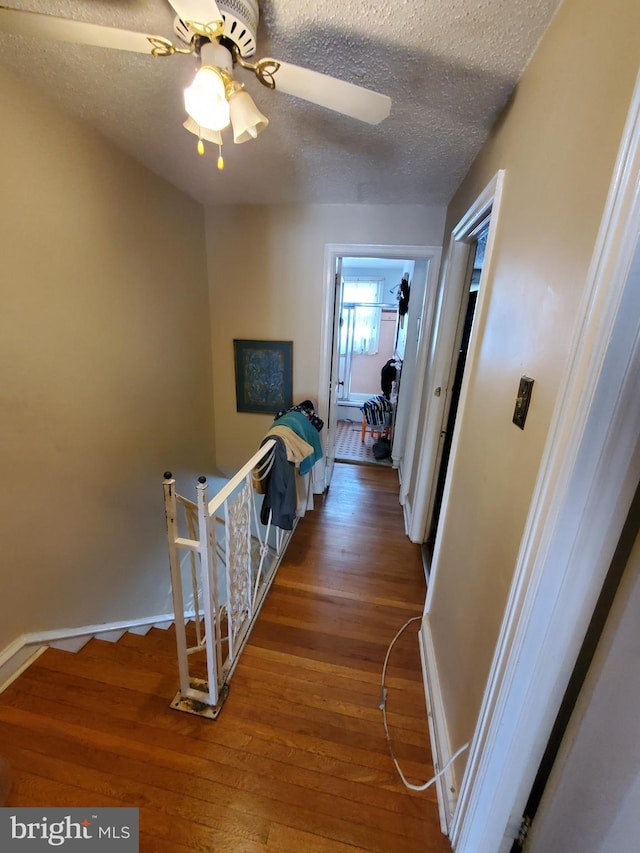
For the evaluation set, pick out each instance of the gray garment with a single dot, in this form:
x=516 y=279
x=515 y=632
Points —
x=280 y=492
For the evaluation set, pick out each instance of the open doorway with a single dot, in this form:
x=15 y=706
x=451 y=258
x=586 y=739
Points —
x=467 y=312
x=426 y=261
x=371 y=331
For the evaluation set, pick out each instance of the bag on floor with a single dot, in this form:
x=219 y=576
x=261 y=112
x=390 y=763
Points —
x=382 y=448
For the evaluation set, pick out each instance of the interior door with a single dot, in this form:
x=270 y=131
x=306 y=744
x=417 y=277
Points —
x=335 y=380
x=454 y=385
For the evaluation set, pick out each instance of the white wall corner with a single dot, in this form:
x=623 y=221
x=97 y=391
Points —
x=446 y=786
x=17 y=656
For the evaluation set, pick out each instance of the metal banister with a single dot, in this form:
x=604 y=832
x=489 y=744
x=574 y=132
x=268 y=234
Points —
x=233 y=559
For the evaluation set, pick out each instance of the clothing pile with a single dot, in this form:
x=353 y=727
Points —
x=377 y=411
x=297 y=448
x=309 y=410
x=389 y=376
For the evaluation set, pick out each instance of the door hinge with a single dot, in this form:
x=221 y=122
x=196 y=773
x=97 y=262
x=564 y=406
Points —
x=523 y=832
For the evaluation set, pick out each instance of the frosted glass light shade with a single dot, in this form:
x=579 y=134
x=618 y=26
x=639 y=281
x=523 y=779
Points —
x=213 y=136
x=205 y=99
x=246 y=119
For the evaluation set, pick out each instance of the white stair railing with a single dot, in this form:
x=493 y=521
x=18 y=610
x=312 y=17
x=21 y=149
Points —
x=221 y=571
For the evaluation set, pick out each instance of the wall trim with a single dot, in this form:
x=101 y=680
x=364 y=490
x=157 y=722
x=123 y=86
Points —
x=15 y=659
x=22 y=651
x=446 y=785
x=441 y=346
x=333 y=251
x=587 y=478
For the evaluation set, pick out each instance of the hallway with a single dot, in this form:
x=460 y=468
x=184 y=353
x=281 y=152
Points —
x=351 y=448
x=297 y=760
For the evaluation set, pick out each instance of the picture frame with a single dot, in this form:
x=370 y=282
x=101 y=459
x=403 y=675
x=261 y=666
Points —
x=264 y=376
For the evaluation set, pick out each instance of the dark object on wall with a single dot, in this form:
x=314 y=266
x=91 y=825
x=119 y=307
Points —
x=388 y=375
x=403 y=297
x=264 y=375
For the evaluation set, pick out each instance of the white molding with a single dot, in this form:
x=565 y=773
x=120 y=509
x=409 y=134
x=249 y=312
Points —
x=587 y=478
x=446 y=785
x=46 y=637
x=441 y=347
x=140 y=630
x=15 y=659
x=426 y=325
x=110 y=636
x=22 y=651
x=332 y=251
x=70 y=644
x=406 y=514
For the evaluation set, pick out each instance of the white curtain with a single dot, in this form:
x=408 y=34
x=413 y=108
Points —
x=366 y=331
x=366 y=335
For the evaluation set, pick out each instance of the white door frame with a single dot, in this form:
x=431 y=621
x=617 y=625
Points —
x=333 y=251
x=454 y=282
x=334 y=376
x=587 y=478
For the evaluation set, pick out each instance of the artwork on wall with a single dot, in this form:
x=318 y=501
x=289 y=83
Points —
x=264 y=376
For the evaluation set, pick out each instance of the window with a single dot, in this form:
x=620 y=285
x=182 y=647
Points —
x=362 y=319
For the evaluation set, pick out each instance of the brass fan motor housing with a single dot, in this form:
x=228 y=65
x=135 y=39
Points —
x=240 y=25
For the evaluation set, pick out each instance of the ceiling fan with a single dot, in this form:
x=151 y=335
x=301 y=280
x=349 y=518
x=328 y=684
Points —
x=222 y=36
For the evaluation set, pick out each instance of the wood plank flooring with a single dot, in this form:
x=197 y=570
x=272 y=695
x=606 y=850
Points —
x=297 y=762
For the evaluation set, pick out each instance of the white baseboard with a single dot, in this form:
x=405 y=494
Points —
x=15 y=659
x=406 y=512
x=46 y=637
x=20 y=653
x=446 y=785
x=70 y=644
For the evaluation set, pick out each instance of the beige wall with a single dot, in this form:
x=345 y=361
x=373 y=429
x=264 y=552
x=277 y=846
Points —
x=557 y=142
x=106 y=370
x=266 y=282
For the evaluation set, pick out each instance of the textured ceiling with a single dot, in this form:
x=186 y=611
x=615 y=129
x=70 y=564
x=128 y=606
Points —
x=448 y=66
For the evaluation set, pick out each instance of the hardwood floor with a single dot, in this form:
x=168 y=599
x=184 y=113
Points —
x=297 y=760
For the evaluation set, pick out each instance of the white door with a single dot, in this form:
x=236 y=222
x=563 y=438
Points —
x=335 y=379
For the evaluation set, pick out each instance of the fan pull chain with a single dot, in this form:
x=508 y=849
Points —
x=201 y=152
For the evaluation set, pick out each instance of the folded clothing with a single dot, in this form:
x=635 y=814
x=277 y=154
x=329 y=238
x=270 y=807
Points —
x=300 y=424
x=297 y=448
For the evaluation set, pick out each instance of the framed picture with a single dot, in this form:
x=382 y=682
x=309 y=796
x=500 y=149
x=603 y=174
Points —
x=264 y=376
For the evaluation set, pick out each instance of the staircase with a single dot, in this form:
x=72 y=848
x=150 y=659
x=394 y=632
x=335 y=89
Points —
x=223 y=560
x=298 y=759
x=74 y=644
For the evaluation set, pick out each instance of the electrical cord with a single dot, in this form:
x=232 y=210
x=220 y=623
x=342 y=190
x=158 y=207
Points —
x=383 y=708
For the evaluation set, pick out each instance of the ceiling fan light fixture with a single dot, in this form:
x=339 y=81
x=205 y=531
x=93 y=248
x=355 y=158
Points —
x=246 y=119
x=205 y=99
x=213 y=136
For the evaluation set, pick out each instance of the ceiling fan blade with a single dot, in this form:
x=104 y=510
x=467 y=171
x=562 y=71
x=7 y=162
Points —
x=203 y=15
x=61 y=29
x=334 y=94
